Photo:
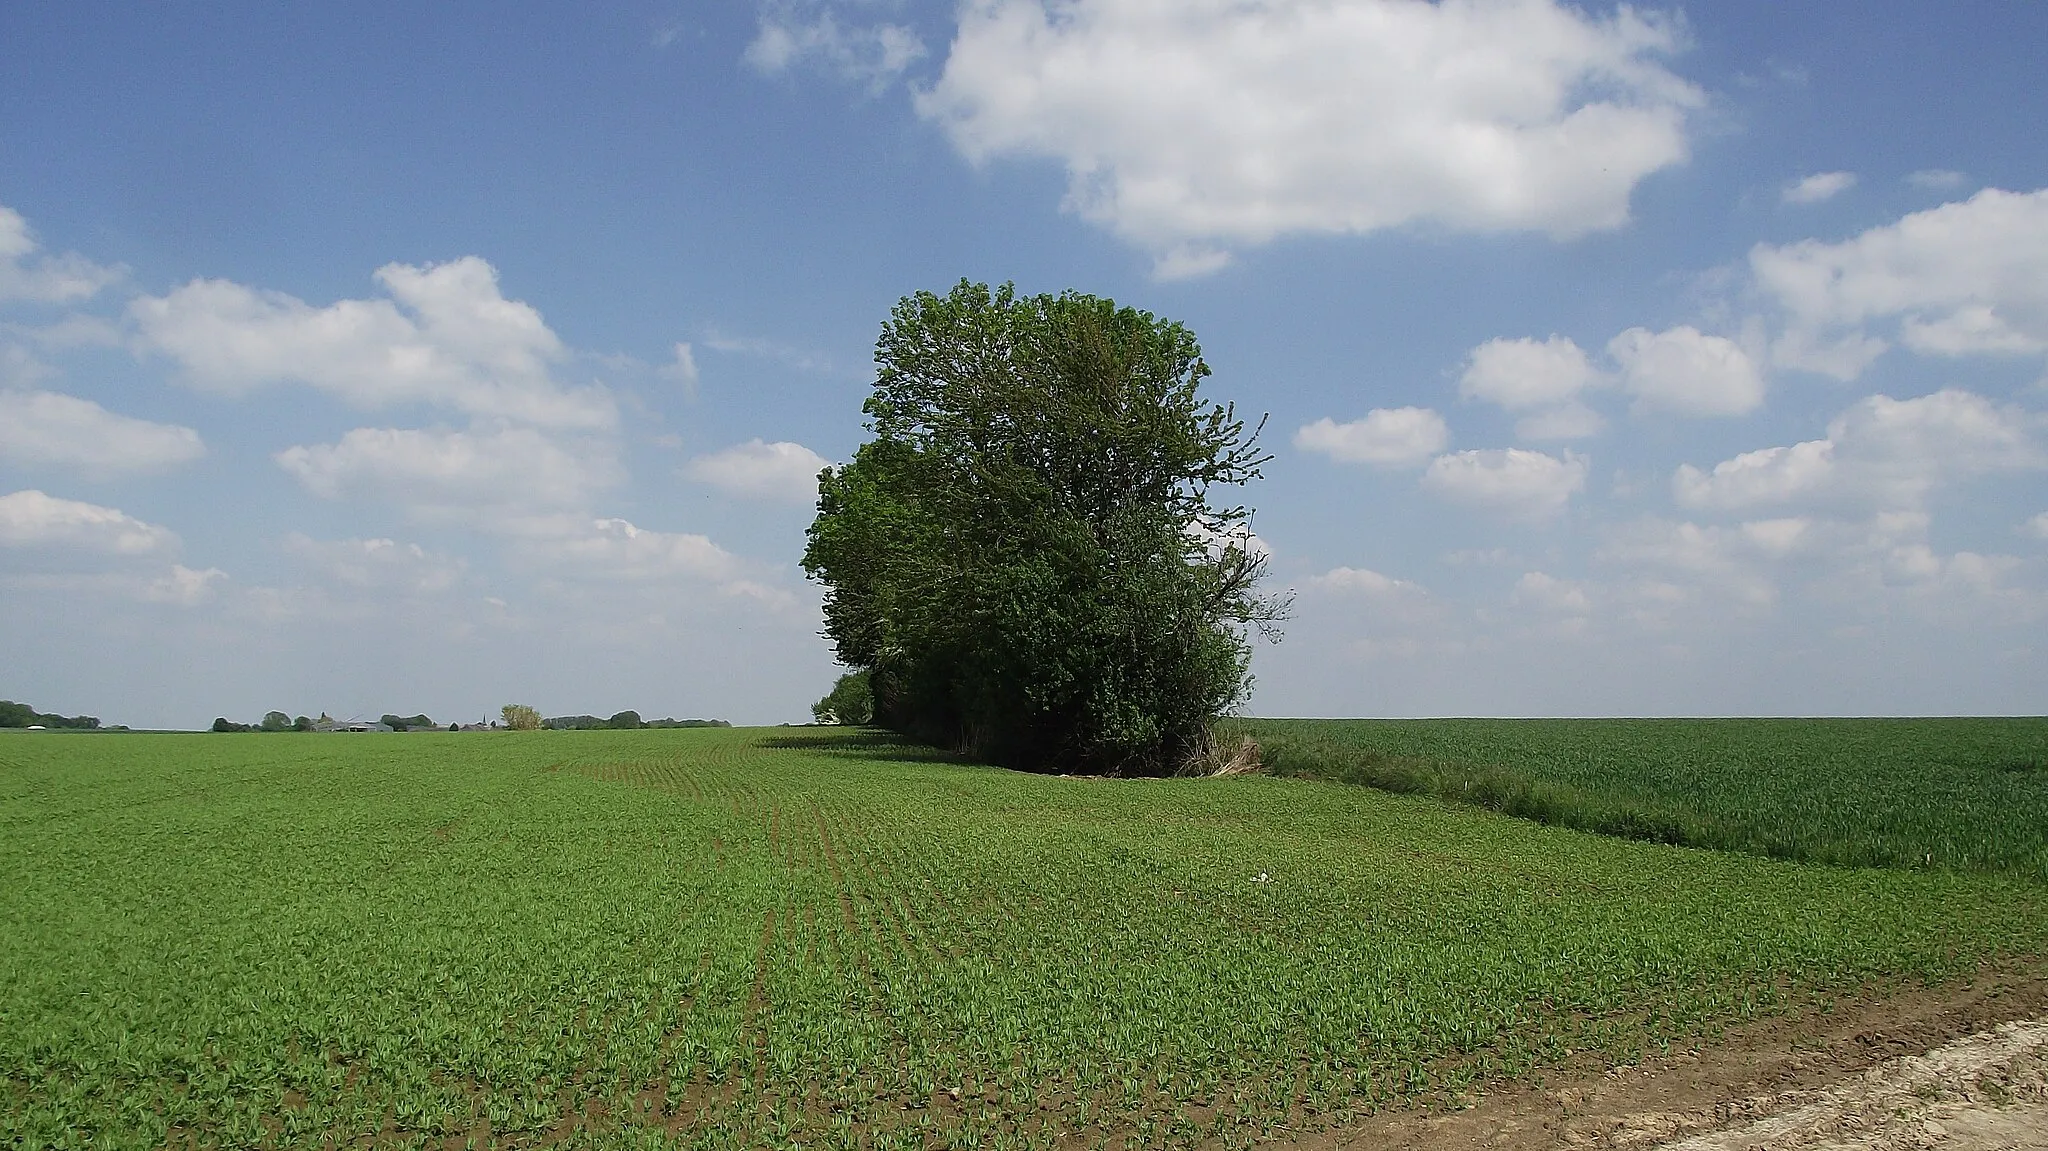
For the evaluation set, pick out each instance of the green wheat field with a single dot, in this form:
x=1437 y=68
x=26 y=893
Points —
x=815 y=938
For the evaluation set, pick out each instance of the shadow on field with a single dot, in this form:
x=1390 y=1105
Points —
x=862 y=743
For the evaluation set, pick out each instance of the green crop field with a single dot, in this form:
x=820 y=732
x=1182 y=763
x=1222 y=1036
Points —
x=808 y=938
x=1951 y=793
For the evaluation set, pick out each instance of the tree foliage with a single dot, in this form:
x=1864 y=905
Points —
x=14 y=714
x=520 y=717
x=1026 y=556
x=851 y=701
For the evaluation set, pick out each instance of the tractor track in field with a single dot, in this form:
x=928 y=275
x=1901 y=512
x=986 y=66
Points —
x=1956 y=1068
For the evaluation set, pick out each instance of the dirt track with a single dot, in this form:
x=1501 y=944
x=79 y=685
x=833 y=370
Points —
x=1962 y=1068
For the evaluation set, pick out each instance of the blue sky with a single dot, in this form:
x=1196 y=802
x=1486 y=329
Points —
x=1619 y=361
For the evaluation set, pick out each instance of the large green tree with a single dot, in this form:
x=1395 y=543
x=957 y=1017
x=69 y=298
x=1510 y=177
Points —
x=1026 y=556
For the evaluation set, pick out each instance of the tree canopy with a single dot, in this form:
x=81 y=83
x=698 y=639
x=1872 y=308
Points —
x=1026 y=556
x=14 y=714
x=849 y=702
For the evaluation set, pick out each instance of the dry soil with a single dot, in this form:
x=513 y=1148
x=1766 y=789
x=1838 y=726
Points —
x=1960 y=1068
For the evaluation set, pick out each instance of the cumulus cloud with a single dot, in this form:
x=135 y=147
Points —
x=2036 y=527
x=1818 y=187
x=1525 y=373
x=510 y=471
x=27 y=273
x=782 y=471
x=1515 y=482
x=619 y=551
x=33 y=519
x=1543 y=378
x=1190 y=128
x=49 y=428
x=1387 y=436
x=873 y=55
x=1722 y=562
x=1880 y=451
x=1547 y=593
x=183 y=586
x=1365 y=582
x=1565 y=422
x=1686 y=372
x=1966 y=278
x=1852 y=561
x=446 y=337
x=376 y=564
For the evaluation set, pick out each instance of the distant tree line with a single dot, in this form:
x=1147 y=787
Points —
x=272 y=721
x=623 y=721
x=514 y=716
x=14 y=714
x=279 y=721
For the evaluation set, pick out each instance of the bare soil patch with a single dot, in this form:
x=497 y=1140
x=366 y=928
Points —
x=1962 y=1067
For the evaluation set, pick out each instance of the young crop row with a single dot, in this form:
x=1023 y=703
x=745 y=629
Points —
x=732 y=938
x=1968 y=794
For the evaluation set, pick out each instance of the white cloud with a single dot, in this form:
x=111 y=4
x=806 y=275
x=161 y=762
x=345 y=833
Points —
x=781 y=471
x=1193 y=126
x=446 y=337
x=1723 y=562
x=1364 y=581
x=1969 y=277
x=1513 y=481
x=1888 y=452
x=508 y=472
x=2036 y=527
x=1547 y=593
x=376 y=564
x=1706 y=558
x=46 y=279
x=1387 y=436
x=1819 y=186
x=48 y=428
x=682 y=369
x=617 y=550
x=1937 y=179
x=1764 y=476
x=1240 y=536
x=874 y=55
x=183 y=586
x=32 y=519
x=1526 y=373
x=1572 y=421
x=1683 y=371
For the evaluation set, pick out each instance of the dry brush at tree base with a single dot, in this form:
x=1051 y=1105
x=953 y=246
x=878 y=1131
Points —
x=778 y=937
